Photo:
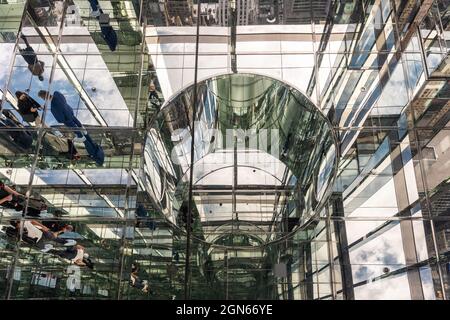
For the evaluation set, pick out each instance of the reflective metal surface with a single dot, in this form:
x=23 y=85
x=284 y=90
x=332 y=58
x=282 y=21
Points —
x=353 y=204
x=264 y=156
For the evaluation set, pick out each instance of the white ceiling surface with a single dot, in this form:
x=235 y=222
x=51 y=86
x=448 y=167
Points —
x=254 y=168
x=290 y=61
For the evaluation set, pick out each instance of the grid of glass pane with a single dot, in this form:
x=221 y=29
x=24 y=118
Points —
x=224 y=149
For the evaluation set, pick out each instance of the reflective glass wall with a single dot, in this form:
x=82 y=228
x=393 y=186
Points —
x=159 y=149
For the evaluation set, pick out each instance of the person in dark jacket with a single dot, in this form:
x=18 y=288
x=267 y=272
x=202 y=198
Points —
x=62 y=112
x=95 y=151
x=76 y=254
x=110 y=36
x=39 y=233
x=8 y=197
x=136 y=281
x=95 y=6
x=108 y=33
x=28 y=107
x=153 y=96
x=34 y=65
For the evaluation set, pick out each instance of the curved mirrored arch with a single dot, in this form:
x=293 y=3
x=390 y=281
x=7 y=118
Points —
x=226 y=235
x=264 y=155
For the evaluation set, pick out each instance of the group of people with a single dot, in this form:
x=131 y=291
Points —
x=53 y=236
x=63 y=113
x=108 y=33
x=36 y=66
x=49 y=12
x=60 y=109
x=42 y=234
x=136 y=281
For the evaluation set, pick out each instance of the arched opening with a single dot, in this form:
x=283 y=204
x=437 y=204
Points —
x=265 y=158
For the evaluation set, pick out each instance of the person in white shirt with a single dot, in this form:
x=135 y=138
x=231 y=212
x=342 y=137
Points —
x=76 y=255
x=37 y=232
x=136 y=281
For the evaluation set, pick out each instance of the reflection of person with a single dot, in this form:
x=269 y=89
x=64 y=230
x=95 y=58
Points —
x=57 y=227
x=6 y=193
x=64 y=147
x=153 y=95
x=108 y=33
x=143 y=219
x=95 y=8
x=62 y=112
x=210 y=19
x=36 y=231
x=76 y=254
x=110 y=36
x=135 y=281
x=22 y=138
x=28 y=107
x=72 y=152
x=8 y=197
x=39 y=10
x=34 y=65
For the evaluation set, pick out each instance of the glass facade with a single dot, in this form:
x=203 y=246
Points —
x=225 y=149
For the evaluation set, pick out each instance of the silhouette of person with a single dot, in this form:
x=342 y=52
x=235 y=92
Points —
x=35 y=66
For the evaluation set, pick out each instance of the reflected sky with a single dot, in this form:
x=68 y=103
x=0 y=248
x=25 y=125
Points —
x=90 y=72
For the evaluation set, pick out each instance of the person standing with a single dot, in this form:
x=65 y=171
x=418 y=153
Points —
x=153 y=95
x=63 y=113
x=35 y=66
x=37 y=233
x=8 y=197
x=108 y=33
x=76 y=254
x=28 y=107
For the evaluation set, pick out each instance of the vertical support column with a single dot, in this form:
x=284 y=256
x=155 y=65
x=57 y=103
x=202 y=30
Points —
x=232 y=24
x=129 y=217
x=342 y=246
x=290 y=286
x=406 y=226
x=330 y=254
x=40 y=133
x=427 y=208
x=309 y=275
x=187 y=272
x=12 y=266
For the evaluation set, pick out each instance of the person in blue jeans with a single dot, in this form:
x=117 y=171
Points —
x=63 y=113
x=108 y=33
x=95 y=7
